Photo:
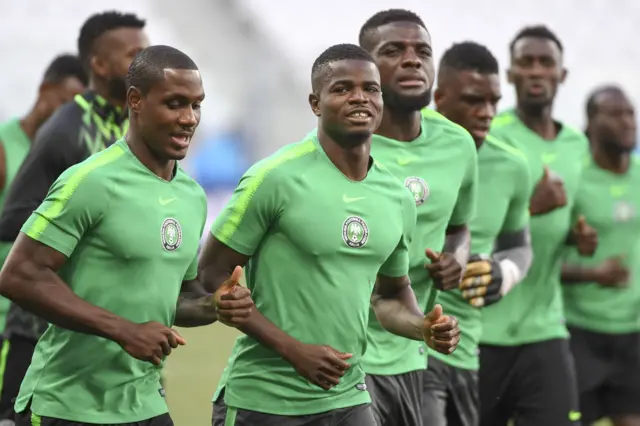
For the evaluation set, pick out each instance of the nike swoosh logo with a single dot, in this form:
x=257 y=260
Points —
x=165 y=201
x=548 y=158
x=351 y=200
x=404 y=161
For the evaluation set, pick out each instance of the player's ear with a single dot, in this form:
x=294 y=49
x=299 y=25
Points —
x=98 y=66
x=134 y=97
x=510 y=75
x=438 y=97
x=563 y=75
x=314 y=103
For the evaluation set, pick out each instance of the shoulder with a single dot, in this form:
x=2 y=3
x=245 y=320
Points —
x=99 y=170
x=286 y=161
x=510 y=157
x=62 y=123
x=189 y=188
x=504 y=120
x=451 y=133
x=574 y=135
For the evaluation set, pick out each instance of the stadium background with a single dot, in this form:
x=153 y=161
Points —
x=255 y=57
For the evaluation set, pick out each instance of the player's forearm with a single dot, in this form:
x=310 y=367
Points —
x=42 y=292
x=458 y=243
x=514 y=254
x=270 y=335
x=400 y=314
x=195 y=310
x=573 y=274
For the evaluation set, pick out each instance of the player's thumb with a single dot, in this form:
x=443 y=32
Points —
x=341 y=355
x=433 y=256
x=582 y=223
x=435 y=313
x=232 y=281
x=546 y=174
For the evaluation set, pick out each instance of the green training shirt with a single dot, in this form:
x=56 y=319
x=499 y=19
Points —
x=440 y=170
x=131 y=238
x=610 y=203
x=16 y=145
x=532 y=311
x=504 y=191
x=317 y=241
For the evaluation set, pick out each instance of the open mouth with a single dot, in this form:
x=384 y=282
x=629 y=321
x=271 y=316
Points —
x=360 y=116
x=181 y=139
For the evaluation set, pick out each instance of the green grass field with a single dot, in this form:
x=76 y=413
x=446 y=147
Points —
x=193 y=371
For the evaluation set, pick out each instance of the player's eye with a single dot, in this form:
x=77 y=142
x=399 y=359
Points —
x=340 y=90
x=373 y=89
x=425 y=53
x=196 y=106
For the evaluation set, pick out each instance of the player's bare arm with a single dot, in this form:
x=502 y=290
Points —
x=584 y=237
x=397 y=310
x=320 y=364
x=446 y=267
x=488 y=278
x=196 y=307
x=29 y=278
x=611 y=272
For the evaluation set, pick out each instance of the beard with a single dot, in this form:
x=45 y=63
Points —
x=117 y=88
x=404 y=103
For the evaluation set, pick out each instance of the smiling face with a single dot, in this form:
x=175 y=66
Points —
x=169 y=113
x=348 y=101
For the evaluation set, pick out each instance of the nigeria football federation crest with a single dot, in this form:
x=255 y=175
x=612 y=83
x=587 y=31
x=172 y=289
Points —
x=171 y=234
x=355 y=232
x=623 y=211
x=418 y=188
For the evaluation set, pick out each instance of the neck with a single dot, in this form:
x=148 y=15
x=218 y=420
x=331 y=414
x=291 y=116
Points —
x=101 y=87
x=613 y=160
x=400 y=125
x=352 y=161
x=539 y=120
x=32 y=121
x=161 y=167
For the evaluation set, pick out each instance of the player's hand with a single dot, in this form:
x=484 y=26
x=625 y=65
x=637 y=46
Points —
x=482 y=281
x=150 y=341
x=585 y=237
x=548 y=195
x=444 y=269
x=320 y=364
x=612 y=273
x=441 y=332
x=233 y=302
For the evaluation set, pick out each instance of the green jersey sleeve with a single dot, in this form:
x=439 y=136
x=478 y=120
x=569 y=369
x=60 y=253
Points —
x=517 y=217
x=192 y=271
x=253 y=207
x=397 y=265
x=465 y=207
x=75 y=203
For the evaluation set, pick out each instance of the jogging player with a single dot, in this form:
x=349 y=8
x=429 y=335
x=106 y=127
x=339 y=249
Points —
x=437 y=161
x=321 y=226
x=107 y=271
x=526 y=368
x=468 y=93
x=63 y=79
x=602 y=294
x=107 y=44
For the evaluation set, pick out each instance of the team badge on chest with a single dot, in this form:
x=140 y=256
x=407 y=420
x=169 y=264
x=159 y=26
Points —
x=355 y=232
x=623 y=211
x=418 y=188
x=171 y=234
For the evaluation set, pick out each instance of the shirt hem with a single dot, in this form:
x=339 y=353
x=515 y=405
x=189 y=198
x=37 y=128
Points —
x=312 y=407
x=41 y=409
x=446 y=359
x=525 y=341
x=604 y=330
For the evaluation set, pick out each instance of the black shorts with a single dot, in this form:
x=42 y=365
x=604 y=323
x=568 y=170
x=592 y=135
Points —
x=20 y=351
x=450 y=396
x=532 y=384
x=608 y=369
x=27 y=419
x=396 y=400
x=360 y=415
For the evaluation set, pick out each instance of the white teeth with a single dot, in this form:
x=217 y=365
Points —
x=359 y=115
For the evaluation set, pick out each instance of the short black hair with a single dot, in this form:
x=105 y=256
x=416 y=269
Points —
x=65 y=66
x=337 y=52
x=592 y=105
x=383 y=18
x=469 y=56
x=147 y=68
x=536 y=31
x=98 y=24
